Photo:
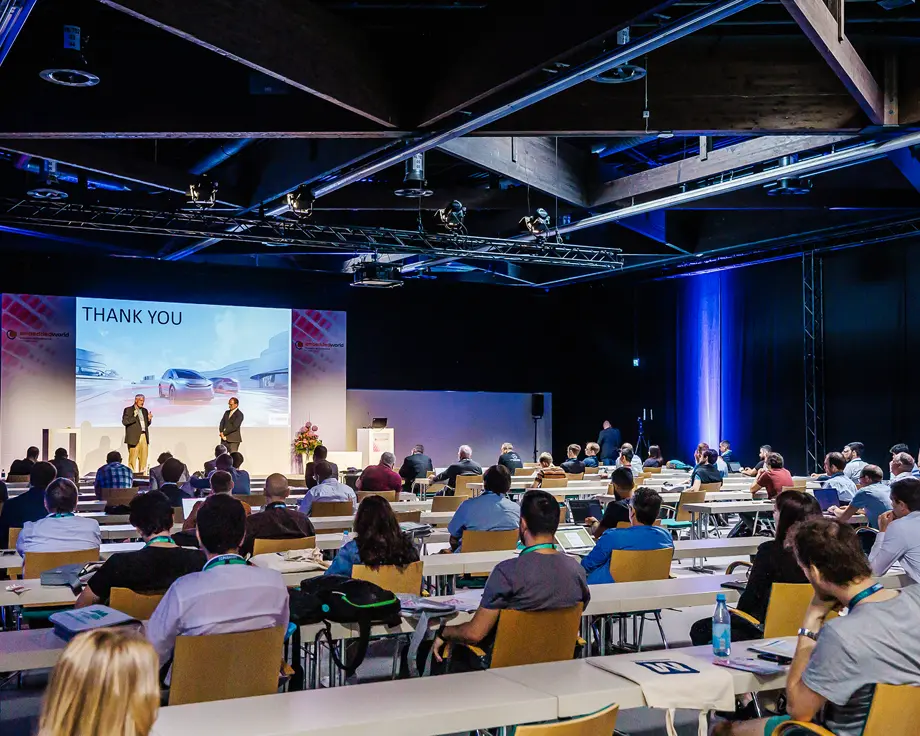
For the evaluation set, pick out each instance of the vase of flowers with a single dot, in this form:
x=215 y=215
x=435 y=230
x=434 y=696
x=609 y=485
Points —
x=305 y=442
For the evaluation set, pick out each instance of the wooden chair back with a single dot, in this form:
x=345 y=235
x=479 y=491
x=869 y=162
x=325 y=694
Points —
x=563 y=514
x=446 y=503
x=178 y=514
x=592 y=470
x=407 y=516
x=139 y=605
x=601 y=723
x=653 y=471
x=786 y=609
x=320 y=509
x=800 y=484
x=118 y=496
x=489 y=541
x=462 y=485
x=631 y=566
x=575 y=476
x=533 y=637
x=894 y=712
x=14 y=572
x=554 y=483
x=17 y=479
x=248 y=662
x=523 y=471
x=268 y=546
x=688 y=497
x=35 y=563
x=407 y=579
x=253 y=499
x=532 y=466
x=710 y=487
x=388 y=495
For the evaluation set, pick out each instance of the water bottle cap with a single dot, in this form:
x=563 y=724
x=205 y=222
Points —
x=720 y=597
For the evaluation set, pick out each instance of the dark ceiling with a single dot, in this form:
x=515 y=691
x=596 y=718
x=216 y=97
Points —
x=325 y=96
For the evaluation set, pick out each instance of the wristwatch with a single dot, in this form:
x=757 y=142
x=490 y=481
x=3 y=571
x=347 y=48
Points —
x=809 y=633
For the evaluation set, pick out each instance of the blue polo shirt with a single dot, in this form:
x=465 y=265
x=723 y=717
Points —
x=489 y=512
x=875 y=499
x=636 y=538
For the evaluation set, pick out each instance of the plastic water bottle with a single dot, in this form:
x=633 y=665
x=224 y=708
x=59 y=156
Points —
x=3 y=474
x=721 y=629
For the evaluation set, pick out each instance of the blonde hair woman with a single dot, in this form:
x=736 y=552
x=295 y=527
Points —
x=106 y=684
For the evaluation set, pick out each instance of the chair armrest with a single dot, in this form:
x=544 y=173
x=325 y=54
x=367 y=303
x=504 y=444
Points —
x=736 y=564
x=792 y=727
x=746 y=616
x=670 y=511
x=475 y=650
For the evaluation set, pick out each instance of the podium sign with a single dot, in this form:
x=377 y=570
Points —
x=373 y=442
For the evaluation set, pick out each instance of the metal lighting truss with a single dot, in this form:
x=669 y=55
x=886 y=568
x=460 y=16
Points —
x=292 y=232
x=813 y=335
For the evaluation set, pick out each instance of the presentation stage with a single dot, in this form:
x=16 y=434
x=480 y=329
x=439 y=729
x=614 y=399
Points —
x=187 y=360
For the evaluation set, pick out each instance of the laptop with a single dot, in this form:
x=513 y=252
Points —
x=574 y=540
x=187 y=505
x=734 y=467
x=827 y=497
x=379 y=423
x=583 y=508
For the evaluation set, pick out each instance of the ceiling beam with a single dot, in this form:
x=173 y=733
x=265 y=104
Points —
x=549 y=165
x=906 y=162
x=826 y=33
x=720 y=161
x=380 y=198
x=296 y=42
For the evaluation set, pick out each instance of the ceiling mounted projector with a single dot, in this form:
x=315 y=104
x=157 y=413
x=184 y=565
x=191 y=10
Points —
x=376 y=275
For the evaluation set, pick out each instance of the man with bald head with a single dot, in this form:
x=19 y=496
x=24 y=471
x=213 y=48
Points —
x=276 y=520
x=380 y=477
x=465 y=465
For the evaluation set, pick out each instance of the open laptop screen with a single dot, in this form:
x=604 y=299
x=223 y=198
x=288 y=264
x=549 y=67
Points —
x=573 y=537
x=827 y=497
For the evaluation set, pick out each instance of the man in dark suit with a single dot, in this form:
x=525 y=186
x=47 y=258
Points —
x=137 y=433
x=319 y=455
x=66 y=468
x=211 y=465
x=416 y=465
x=609 y=440
x=28 y=506
x=230 y=425
x=24 y=466
x=465 y=465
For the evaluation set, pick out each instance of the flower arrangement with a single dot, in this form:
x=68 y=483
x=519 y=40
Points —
x=306 y=440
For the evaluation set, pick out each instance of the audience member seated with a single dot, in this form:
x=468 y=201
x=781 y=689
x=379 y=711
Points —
x=642 y=535
x=655 y=459
x=28 y=506
x=172 y=473
x=609 y=442
x=538 y=579
x=573 y=466
x=151 y=569
x=61 y=530
x=224 y=463
x=490 y=511
x=833 y=467
x=276 y=520
x=377 y=540
x=24 y=466
x=416 y=465
x=901 y=466
x=774 y=563
x=106 y=682
x=899 y=539
x=838 y=663
x=872 y=497
x=706 y=471
x=380 y=477
x=509 y=458
x=328 y=489
x=211 y=465
x=901 y=447
x=591 y=450
x=114 y=474
x=852 y=454
x=319 y=454
x=547 y=470
x=66 y=468
x=772 y=477
x=617 y=511
x=155 y=475
x=725 y=451
x=752 y=472
x=221 y=482
x=228 y=595
x=629 y=459
x=242 y=485
x=465 y=465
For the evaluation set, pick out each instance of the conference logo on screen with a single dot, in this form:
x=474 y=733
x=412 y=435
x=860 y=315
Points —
x=301 y=345
x=35 y=336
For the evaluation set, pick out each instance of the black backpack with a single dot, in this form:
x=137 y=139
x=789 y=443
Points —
x=343 y=600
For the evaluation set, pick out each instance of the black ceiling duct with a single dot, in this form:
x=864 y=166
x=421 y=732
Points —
x=69 y=67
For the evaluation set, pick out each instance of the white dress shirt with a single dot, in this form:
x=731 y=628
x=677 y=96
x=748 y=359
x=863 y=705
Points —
x=329 y=490
x=65 y=533
x=899 y=543
x=222 y=599
x=905 y=474
x=140 y=418
x=854 y=468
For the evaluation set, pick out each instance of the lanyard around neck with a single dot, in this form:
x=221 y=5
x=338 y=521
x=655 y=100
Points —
x=276 y=505
x=545 y=545
x=223 y=560
x=164 y=539
x=59 y=516
x=859 y=597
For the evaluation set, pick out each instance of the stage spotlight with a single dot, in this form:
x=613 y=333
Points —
x=50 y=188
x=301 y=202
x=69 y=66
x=537 y=224
x=203 y=192
x=451 y=217
x=414 y=184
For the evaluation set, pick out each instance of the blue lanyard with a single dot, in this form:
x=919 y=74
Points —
x=276 y=505
x=167 y=539
x=865 y=594
x=546 y=545
x=224 y=560
x=59 y=516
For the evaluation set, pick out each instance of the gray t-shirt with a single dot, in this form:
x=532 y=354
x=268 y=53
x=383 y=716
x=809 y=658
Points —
x=875 y=643
x=536 y=582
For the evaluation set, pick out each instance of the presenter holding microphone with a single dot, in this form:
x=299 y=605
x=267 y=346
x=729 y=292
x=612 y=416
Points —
x=137 y=433
x=230 y=425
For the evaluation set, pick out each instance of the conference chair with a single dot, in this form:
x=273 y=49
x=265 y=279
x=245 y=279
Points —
x=269 y=546
x=388 y=495
x=592 y=471
x=575 y=476
x=867 y=536
x=485 y=542
x=434 y=489
x=139 y=605
x=632 y=566
x=462 y=487
x=533 y=637
x=894 y=712
x=532 y=466
x=117 y=496
x=602 y=722
x=677 y=518
x=256 y=500
x=248 y=663
x=524 y=471
x=554 y=483
x=785 y=611
x=396 y=579
x=653 y=471
x=321 y=509
x=35 y=563
x=446 y=503
x=17 y=479
x=409 y=516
